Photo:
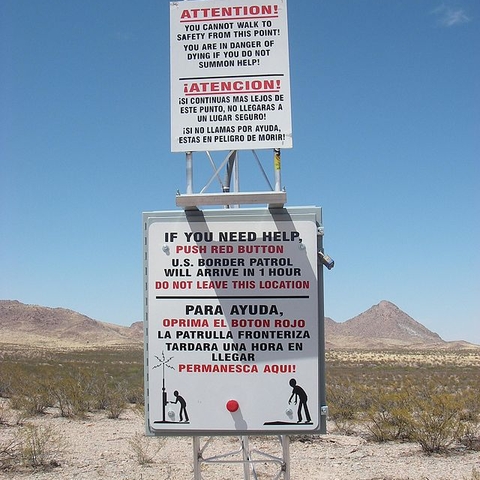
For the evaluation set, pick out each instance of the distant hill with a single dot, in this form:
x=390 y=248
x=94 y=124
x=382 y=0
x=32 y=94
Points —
x=58 y=327
x=382 y=326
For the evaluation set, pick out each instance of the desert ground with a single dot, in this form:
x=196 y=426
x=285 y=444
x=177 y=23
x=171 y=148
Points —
x=100 y=448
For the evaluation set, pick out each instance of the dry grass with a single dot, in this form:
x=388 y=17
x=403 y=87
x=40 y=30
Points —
x=409 y=358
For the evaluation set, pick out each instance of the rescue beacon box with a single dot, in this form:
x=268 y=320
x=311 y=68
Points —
x=231 y=321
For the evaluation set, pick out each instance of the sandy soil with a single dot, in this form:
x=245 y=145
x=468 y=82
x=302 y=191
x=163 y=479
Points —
x=101 y=448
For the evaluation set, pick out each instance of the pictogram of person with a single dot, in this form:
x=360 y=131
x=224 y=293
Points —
x=183 y=405
x=299 y=393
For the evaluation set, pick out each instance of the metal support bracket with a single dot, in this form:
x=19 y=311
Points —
x=275 y=198
x=272 y=199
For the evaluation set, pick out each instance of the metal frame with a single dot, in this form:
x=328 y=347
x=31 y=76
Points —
x=245 y=456
x=274 y=198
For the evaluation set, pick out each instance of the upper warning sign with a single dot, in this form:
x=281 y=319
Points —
x=230 y=79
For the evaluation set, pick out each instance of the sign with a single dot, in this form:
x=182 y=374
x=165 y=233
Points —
x=231 y=312
x=230 y=79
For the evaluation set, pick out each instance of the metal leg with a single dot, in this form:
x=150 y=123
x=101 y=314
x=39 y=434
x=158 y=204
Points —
x=285 y=440
x=197 y=474
x=246 y=457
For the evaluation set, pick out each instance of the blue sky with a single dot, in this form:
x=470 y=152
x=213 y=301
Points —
x=386 y=117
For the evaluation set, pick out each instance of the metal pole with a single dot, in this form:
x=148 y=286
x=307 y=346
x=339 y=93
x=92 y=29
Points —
x=277 y=165
x=229 y=171
x=197 y=474
x=232 y=172
x=236 y=173
x=246 y=457
x=189 y=159
x=321 y=336
x=285 y=440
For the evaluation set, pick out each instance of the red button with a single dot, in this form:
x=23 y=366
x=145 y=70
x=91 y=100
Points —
x=232 y=406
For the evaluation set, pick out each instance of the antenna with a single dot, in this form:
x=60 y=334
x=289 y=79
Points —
x=163 y=362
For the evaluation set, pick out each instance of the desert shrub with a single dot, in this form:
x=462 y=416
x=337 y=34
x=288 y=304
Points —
x=7 y=374
x=387 y=417
x=72 y=393
x=4 y=413
x=90 y=367
x=40 y=447
x=145 y=449
x=10 y=417
x=469 y=412
x=32 y=396
x=109 y=394
x=430 y=397
x=434 y=419
x=101 y=387
x=8 y=453
x=471 y=436
x=135 y=393
x=116 y=402
x=76 y=381
x=469 y=404
x=429 y=413
x=344 y=401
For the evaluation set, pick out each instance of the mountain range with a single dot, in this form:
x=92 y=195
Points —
x=382 y=326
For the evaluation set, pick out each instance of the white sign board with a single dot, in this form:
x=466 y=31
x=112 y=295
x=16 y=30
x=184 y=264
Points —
x=230 y=78
x=232 y=340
